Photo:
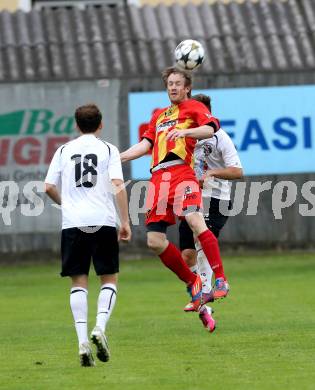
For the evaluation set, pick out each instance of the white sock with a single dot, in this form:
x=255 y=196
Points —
x=205 y=271
x=105 y=304
x=79 y=308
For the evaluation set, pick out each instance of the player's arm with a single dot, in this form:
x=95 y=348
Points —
x=136 y=151
x=208 y=125
x=53 y=178
x=52 y=191
x=201 y=132
x=147 y=142
x=228 y=173
x=117 y=180
x=122 y=205
x=233 y=167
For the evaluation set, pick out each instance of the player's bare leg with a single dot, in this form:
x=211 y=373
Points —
x=190 y=258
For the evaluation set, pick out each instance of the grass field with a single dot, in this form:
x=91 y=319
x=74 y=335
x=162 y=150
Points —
x=265 y=336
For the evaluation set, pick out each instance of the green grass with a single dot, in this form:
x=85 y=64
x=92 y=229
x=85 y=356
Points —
x=264 y=339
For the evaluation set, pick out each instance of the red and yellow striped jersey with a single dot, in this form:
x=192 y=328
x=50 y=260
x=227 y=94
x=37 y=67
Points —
x=185 y=115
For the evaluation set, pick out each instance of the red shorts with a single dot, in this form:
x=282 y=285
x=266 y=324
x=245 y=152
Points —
x=173 y=191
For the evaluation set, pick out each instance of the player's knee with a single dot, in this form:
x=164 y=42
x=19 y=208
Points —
x=155 y=243
x=196 y=223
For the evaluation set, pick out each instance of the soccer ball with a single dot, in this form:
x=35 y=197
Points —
x=189 y=54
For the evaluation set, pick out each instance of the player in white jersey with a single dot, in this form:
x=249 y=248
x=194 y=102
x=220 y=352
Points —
x=90 y=174
x=216 y=163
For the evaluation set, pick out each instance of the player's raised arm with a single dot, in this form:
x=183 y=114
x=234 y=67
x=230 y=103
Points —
x=201 y=132
x=136 y=151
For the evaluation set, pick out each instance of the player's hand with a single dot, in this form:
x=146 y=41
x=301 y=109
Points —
x=124 y=233
x=174 y=134
x=207 y=175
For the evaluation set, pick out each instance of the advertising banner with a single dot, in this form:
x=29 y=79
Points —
x=35 y=119
x=272 y=127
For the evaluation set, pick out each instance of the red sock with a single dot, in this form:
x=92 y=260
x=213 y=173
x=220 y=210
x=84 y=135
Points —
x=210 y=246
x=173 y=260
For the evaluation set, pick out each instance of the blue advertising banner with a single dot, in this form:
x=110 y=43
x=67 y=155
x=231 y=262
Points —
x=272 y=127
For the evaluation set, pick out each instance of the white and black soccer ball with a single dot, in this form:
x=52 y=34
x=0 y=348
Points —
x=189 y=54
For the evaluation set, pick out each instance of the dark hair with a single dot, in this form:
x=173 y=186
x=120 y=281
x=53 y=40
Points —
x=173 y=69
x=206 y=100
x=88 y=118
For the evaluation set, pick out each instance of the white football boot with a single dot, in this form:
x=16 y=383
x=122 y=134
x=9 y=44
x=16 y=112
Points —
x=86 y=357
x=99 y=340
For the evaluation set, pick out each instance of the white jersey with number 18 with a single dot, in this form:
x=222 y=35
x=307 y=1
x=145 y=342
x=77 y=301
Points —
x=85 y=167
